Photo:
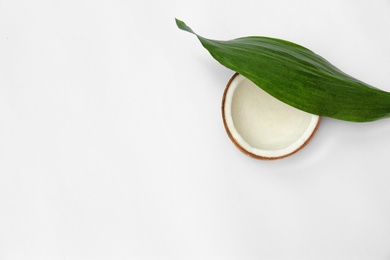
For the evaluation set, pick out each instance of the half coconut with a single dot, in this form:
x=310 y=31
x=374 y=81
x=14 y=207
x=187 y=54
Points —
x=260 y=125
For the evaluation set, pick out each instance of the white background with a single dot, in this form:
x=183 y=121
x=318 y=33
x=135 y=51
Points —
x=112 y=144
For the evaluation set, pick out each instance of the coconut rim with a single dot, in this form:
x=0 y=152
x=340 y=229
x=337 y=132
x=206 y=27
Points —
x=239 y=141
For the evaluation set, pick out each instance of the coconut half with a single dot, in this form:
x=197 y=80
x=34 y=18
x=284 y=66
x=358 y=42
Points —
x=260 y=125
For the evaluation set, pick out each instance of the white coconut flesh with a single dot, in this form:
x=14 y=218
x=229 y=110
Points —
x=261 y=125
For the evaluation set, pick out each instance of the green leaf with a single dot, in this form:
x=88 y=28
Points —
x=299 y=77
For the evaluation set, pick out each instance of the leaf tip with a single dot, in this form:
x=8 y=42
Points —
x=181 y=25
